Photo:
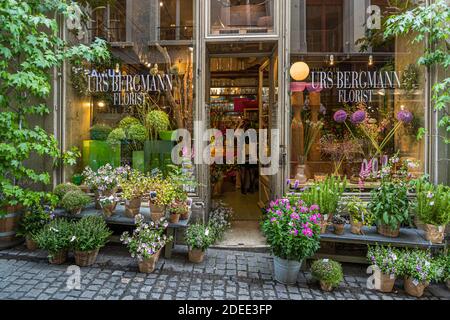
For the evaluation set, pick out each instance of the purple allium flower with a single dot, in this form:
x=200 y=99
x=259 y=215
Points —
x=340 y=116
x=296 y=184
x=288 y=182
x=404 y=116
x=358 y=117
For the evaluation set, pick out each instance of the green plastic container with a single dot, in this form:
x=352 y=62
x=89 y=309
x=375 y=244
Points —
x=166 y=135
x=99 y=153
x=138 y=160
x=158 y=155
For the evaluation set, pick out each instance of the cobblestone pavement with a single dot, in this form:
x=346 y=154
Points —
x=224 y=275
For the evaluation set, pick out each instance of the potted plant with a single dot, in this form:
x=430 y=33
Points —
x=89 y=234
x=328 y=272
x=339 y=223
x=108 y=205
x=103 y=182
x=162 y=194
x=146 y=242
x=100 y=132
x=157 y=121
x=390 y=206
x=326 y=195
x=199 y=239
x=34 y=219
x=418 y=269
x=134 y=186
x=292 y=232
x=433 y=209
x=55 y=239
x=176 y=210
x=220 y=219
x=75 y=201
x=359 y=215
x=386 y=260
x=62 y=189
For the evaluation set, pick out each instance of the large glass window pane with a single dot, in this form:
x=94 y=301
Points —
x=176 y=19
x=378 y=91
x=236 y=17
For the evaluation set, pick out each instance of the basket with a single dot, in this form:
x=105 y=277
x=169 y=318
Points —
x=86 y=258
x=58 y=257
x=413 y=289
x=386 y=231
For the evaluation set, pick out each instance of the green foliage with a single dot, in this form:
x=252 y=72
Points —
x=55 y=236
x=327 y=271
x=326 y=194
x=418 y=265
x=358 y=212
x=134 y=185
x=199 y=236
x=74 y=200
x=33 y=221
x=137 y=132
x=432 y=203
x=116 y=136
x=429 y=24
x=291 y=229
x=156 y=122
x=90 y=233
x=443 y=267
x=127 y=122
x=62 y=189
x=100 y=132
x=390 y=204
x=30 y=48
x=163 y=191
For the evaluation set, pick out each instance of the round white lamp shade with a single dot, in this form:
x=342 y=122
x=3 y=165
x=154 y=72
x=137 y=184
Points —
x=299 y=71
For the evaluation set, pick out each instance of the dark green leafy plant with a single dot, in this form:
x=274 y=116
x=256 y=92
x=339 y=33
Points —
x=100 y=132
x=62 y=189
x=390 y=204
x=429 y=24
x=326 y=194
x=33 y=221
x=54 y=237
x=75 y=200
x=433 y=203
x=90 y=233
x=328 y=271
x=30 y=48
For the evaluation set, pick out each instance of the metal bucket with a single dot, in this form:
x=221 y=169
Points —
x=286 y=271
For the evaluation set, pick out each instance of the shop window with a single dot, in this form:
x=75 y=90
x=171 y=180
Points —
x=236 y=17
x=176 y=19
x=324 y=25
x=110 y=22
x=381 y=96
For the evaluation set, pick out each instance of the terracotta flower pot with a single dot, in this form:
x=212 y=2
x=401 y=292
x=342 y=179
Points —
x=185 y=215
x=356 y=227
x=386 y=282
x=339 y=229
x=435 y=234
x=196 y=255
x=414 y=288
x=156 y=212
x=58 y=257
x=86 y=258
x=386 y=231
x=326 y=287
x=174 y=218
x=31 y=244
x=132 y=207
x=148 y=265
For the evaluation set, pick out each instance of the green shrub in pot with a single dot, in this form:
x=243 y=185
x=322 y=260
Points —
x=75 y=201
x=116 y=137
x=62 y=189
x=157 y=121
x=390 y=206
x=100 y=132
x=328 y=272
x=127 y=122
x=89 y=234
x=55 y=239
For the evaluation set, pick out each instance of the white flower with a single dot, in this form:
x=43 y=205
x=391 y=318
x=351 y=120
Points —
x=431 y=203
x=207 y=232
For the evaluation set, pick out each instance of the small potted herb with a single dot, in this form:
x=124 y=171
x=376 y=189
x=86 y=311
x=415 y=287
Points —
x=359 y=215
x=75 y=201
x=108 y=205
x=199 y=239
x=62 y=189
x=386 y=260
x=328 y=272
x=146 y=242
x=55 y=239
x=134 y=187
x=89 y=235
x=33 y=221
x=339 y=224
